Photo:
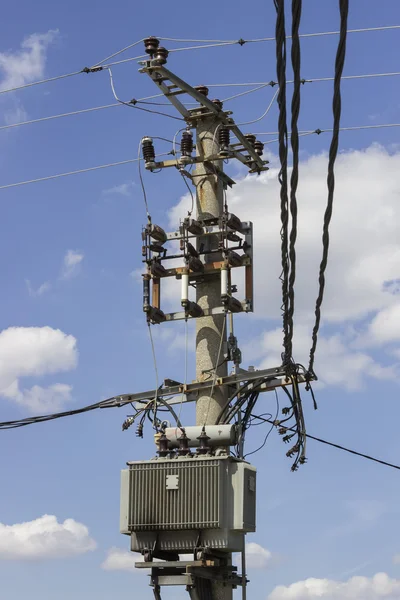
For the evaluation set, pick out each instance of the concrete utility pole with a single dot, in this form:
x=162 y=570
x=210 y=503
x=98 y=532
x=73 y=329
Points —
x=209 y=200
x=199 y=480
x=209 y=330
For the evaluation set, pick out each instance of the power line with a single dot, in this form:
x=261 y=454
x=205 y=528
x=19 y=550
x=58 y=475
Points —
x=319 y=131
x=338 y=446
x=39 y=82
x=240 y=42
x=115 y=164
x=259 y=86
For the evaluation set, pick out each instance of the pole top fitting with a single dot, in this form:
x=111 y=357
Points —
x=202 y=89
x=151 y=44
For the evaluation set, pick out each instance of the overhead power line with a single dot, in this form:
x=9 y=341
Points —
x=241 y=42
x=319 y=131
x=338 y=446
x=306 y=132
x=97 y=168
x=113 y=403
x=259 y=86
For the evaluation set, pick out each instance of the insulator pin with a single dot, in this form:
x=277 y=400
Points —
x=157 y=233
x=195 y=264
x=150 y=45
x=224 y=138
x=218 y=103
x=233 y=222
x=157 y=270
x=202 y=89
x=259 y=147
x=160 y=56
x=192 y=309
x=149 y=154
x=187 y=143
x=250 y=138
x=194 y=227
x=234 y=259
x=156 y=315
x=183 y=449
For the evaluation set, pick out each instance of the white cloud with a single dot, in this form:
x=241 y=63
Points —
x=28 y=63
x=39 y=399
x=121 y=560
x=123 y=189
x=33 y=352
x=357 y=588
x=17 y=114
x=361 y=303
x=336 y=362
x=44 y=538
x=71 y=263
x=385 y=326
x=42 y=289
x=365 y=245
x=257 y=557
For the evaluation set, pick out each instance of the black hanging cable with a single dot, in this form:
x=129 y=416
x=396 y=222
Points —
x=337 y=107
x=294 y=138
x=280 y=35
x=338 y=446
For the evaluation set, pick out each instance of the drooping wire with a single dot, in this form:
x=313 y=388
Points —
x=133 y=104
x=294 y=179
x=264 y=113
x=280 y=33
x=153 y=351
x=269 y=431
x=191 y=194
x=338 y=446
x=336 y=106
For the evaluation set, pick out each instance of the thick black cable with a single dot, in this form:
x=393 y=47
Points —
x=337 y=107
x=280 y=35
x=294 y=139
x=338 y=446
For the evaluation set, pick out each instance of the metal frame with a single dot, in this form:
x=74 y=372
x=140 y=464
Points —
x=188 y=573
x=213 y=267
x=179 y=392
x=159 y=74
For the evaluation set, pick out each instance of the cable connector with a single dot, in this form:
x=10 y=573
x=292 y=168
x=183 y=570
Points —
x=127 y=423
x=241 y=42
x=92 y=69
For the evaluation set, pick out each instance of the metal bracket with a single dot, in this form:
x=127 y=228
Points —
x=159 y=74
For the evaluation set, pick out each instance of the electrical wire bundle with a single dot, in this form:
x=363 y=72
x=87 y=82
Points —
x=241 y=404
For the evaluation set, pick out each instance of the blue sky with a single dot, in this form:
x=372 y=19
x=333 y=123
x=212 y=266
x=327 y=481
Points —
x=68 y=249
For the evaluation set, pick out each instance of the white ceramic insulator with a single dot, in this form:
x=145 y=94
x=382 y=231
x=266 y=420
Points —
x=224 y=282
x=185 y=287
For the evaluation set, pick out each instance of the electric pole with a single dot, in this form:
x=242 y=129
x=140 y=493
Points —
x=211 y=330
x=196 y=496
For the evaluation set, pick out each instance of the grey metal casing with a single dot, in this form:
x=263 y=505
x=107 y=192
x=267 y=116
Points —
x=183 y=502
